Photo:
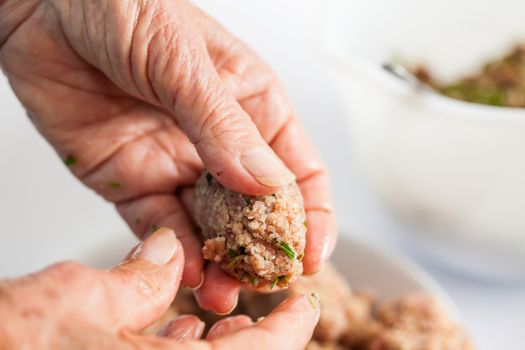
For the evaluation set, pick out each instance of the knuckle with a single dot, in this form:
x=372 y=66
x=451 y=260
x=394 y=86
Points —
x=145 y=285
x=143 y=281
x=217 y=122
x=68 y=272
x=158 y=56
x=224 y=122
x=148 y=285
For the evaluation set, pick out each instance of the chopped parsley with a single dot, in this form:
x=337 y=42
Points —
x=231 y=262
x=275 y=281
x=70 y=160
x=314 y=299
x=242 y=276
x=232 y=254
x=287 y=250
x=116 y=185
x=253 y=281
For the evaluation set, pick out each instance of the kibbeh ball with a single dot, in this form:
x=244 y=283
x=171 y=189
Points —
x=257 y=239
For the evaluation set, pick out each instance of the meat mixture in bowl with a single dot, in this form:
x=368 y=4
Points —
x=500 y=82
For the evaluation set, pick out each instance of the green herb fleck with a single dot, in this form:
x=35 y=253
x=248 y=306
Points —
x=314 y=299
x=232 y=254
x=276 y=280
x=287 y=250
x=253 y=281
x=116 y=185
x=242 y=276
x=231 y=262
x=70 y=160
x=305 y=224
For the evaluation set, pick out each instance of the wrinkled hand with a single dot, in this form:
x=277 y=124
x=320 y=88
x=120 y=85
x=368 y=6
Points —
x=133 y=94
x=69 y=306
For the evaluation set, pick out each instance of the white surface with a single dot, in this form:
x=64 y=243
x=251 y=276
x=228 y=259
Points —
x=47 y=216
x=453 y=168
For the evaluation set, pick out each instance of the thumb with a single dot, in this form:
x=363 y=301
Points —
x=228 y=142
x=234 y=152
x=142 y=287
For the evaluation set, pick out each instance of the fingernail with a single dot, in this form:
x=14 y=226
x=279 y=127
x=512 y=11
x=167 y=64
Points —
x=132 y=253
x=314 y=300
x=159 y=248
x=229 y=325
x=200 y=283
x=266 y=168
x=300 y=303
x=184 y=327
x=230 y=310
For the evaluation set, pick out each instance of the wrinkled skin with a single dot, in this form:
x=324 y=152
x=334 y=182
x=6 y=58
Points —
x=69 y=306
x=139 y=95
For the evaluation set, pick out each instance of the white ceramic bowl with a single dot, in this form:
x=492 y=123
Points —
x=453 y=168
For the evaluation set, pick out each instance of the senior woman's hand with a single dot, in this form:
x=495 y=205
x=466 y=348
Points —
x=136 y=96
x=69 y=306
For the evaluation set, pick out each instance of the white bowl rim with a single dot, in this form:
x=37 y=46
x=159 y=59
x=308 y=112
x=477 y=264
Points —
x=411 y=268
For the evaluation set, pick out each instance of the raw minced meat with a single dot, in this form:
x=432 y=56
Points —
x=334 y=293
x=417 y=322
x=257 y=239
x=351 y=320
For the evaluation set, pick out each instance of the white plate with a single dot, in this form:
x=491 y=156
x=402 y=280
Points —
x=385 y=272
x=365 y=266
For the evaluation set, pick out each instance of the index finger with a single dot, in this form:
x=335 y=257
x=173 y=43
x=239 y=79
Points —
x=289 y=326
